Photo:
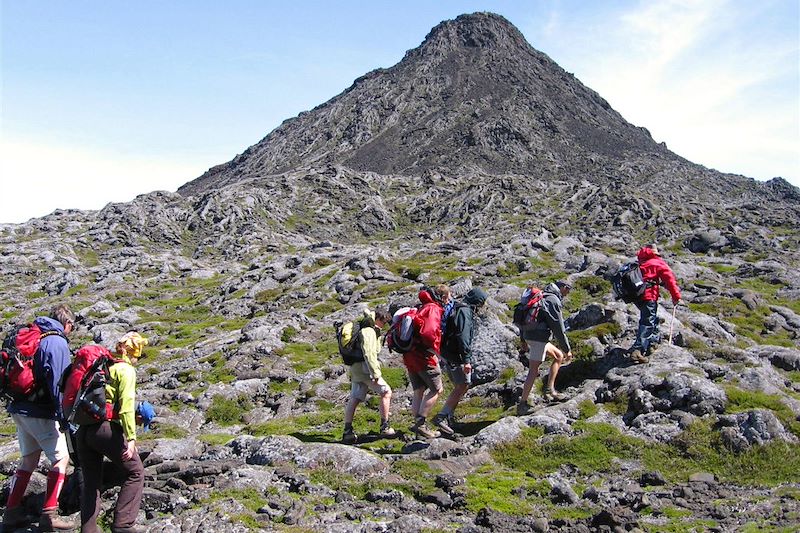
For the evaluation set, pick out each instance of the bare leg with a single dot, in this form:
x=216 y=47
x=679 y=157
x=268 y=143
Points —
x=31 y=461
x=416 y=402
x=455 y=396
x=558 y=358
x=428 y=402
x=350 y=410
x=383 y=408
x=533 y=373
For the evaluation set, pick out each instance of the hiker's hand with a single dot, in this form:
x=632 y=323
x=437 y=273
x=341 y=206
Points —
x=676 y=303
x=130 y=449
x=467 y=368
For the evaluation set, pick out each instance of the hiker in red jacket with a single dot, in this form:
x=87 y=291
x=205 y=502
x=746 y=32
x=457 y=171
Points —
x=655 y=272
x=422 y=361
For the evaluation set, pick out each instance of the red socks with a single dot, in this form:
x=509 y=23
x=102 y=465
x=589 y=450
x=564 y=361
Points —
x=55 y=480
x=18 y=485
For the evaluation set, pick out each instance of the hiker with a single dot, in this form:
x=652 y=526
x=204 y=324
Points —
x=116 y=439
x=366 y=376
x=39 y=424
x=456 y=351
x=655 y=271
x=422 y=361
x=536 y=340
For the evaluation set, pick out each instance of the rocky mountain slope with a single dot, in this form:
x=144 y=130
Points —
x=475 y=161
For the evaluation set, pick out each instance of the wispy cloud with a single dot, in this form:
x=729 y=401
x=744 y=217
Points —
x=702 y=76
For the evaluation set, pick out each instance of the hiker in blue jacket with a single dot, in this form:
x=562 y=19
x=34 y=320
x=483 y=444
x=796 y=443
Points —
x=549 y=321
x=39 y=423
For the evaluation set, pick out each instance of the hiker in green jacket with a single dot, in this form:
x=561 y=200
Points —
x=458 y=330
x=366 y=376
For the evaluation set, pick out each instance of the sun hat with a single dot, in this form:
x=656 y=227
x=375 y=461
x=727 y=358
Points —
x=134 y=343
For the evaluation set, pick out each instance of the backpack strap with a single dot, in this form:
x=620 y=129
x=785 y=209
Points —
x=101 y=361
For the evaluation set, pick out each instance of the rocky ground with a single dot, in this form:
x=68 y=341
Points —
x=249 y=388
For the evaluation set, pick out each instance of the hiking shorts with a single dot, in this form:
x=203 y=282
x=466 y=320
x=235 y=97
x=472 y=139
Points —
x=536 y=351
x=429 y=378
x=359 y=389
x=455 y=373
x=40 y=434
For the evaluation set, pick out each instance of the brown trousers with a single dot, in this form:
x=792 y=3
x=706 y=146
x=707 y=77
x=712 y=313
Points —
x=106 y=440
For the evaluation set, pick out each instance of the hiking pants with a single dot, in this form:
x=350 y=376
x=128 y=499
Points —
x=647 y=333
x=106 y=440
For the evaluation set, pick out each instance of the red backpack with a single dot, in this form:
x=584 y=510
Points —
x=17 y=373
x=526 y=312
x=84 y=386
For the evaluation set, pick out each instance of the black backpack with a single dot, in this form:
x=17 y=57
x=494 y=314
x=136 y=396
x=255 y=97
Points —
x=350 y=350
x=628 y=284
x=450 y=349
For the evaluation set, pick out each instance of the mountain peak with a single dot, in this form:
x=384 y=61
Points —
x=473 y=95
x=475 y=30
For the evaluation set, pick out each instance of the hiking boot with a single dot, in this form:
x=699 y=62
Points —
x=422 y=430
x=553 y=396
x=50 y=521
x=440 y=421
x=349 y=437
x=15 y=517
x=453 y=422
x=387 y=430
x=637 y=357
x=523 y=408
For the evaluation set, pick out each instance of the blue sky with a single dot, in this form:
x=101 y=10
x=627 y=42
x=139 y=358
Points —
x=102 y=101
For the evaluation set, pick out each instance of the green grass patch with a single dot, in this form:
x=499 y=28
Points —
x=440 y=266
x=250 y=498
x=227 y=411
x=268 y=295
x=216 y=439
x=587 y=409
x=165 y=431
x=219 y=373
x=397 y=378
x=495 y=488
x=324 y=309
x=306 y=356
x=740 y=400
x=419 y=474
x=507 y=375
x=748 y=323
x=698 y=449
x=324 y=423
x=283 y=387
x=586 y=290
x=605 y=333
x=288 y=333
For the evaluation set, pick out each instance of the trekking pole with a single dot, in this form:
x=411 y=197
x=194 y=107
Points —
x=672 y=323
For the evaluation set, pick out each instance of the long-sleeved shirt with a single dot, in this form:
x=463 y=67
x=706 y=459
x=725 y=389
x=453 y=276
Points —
x=50 y=361
x=370 y=368
x=121 y=393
